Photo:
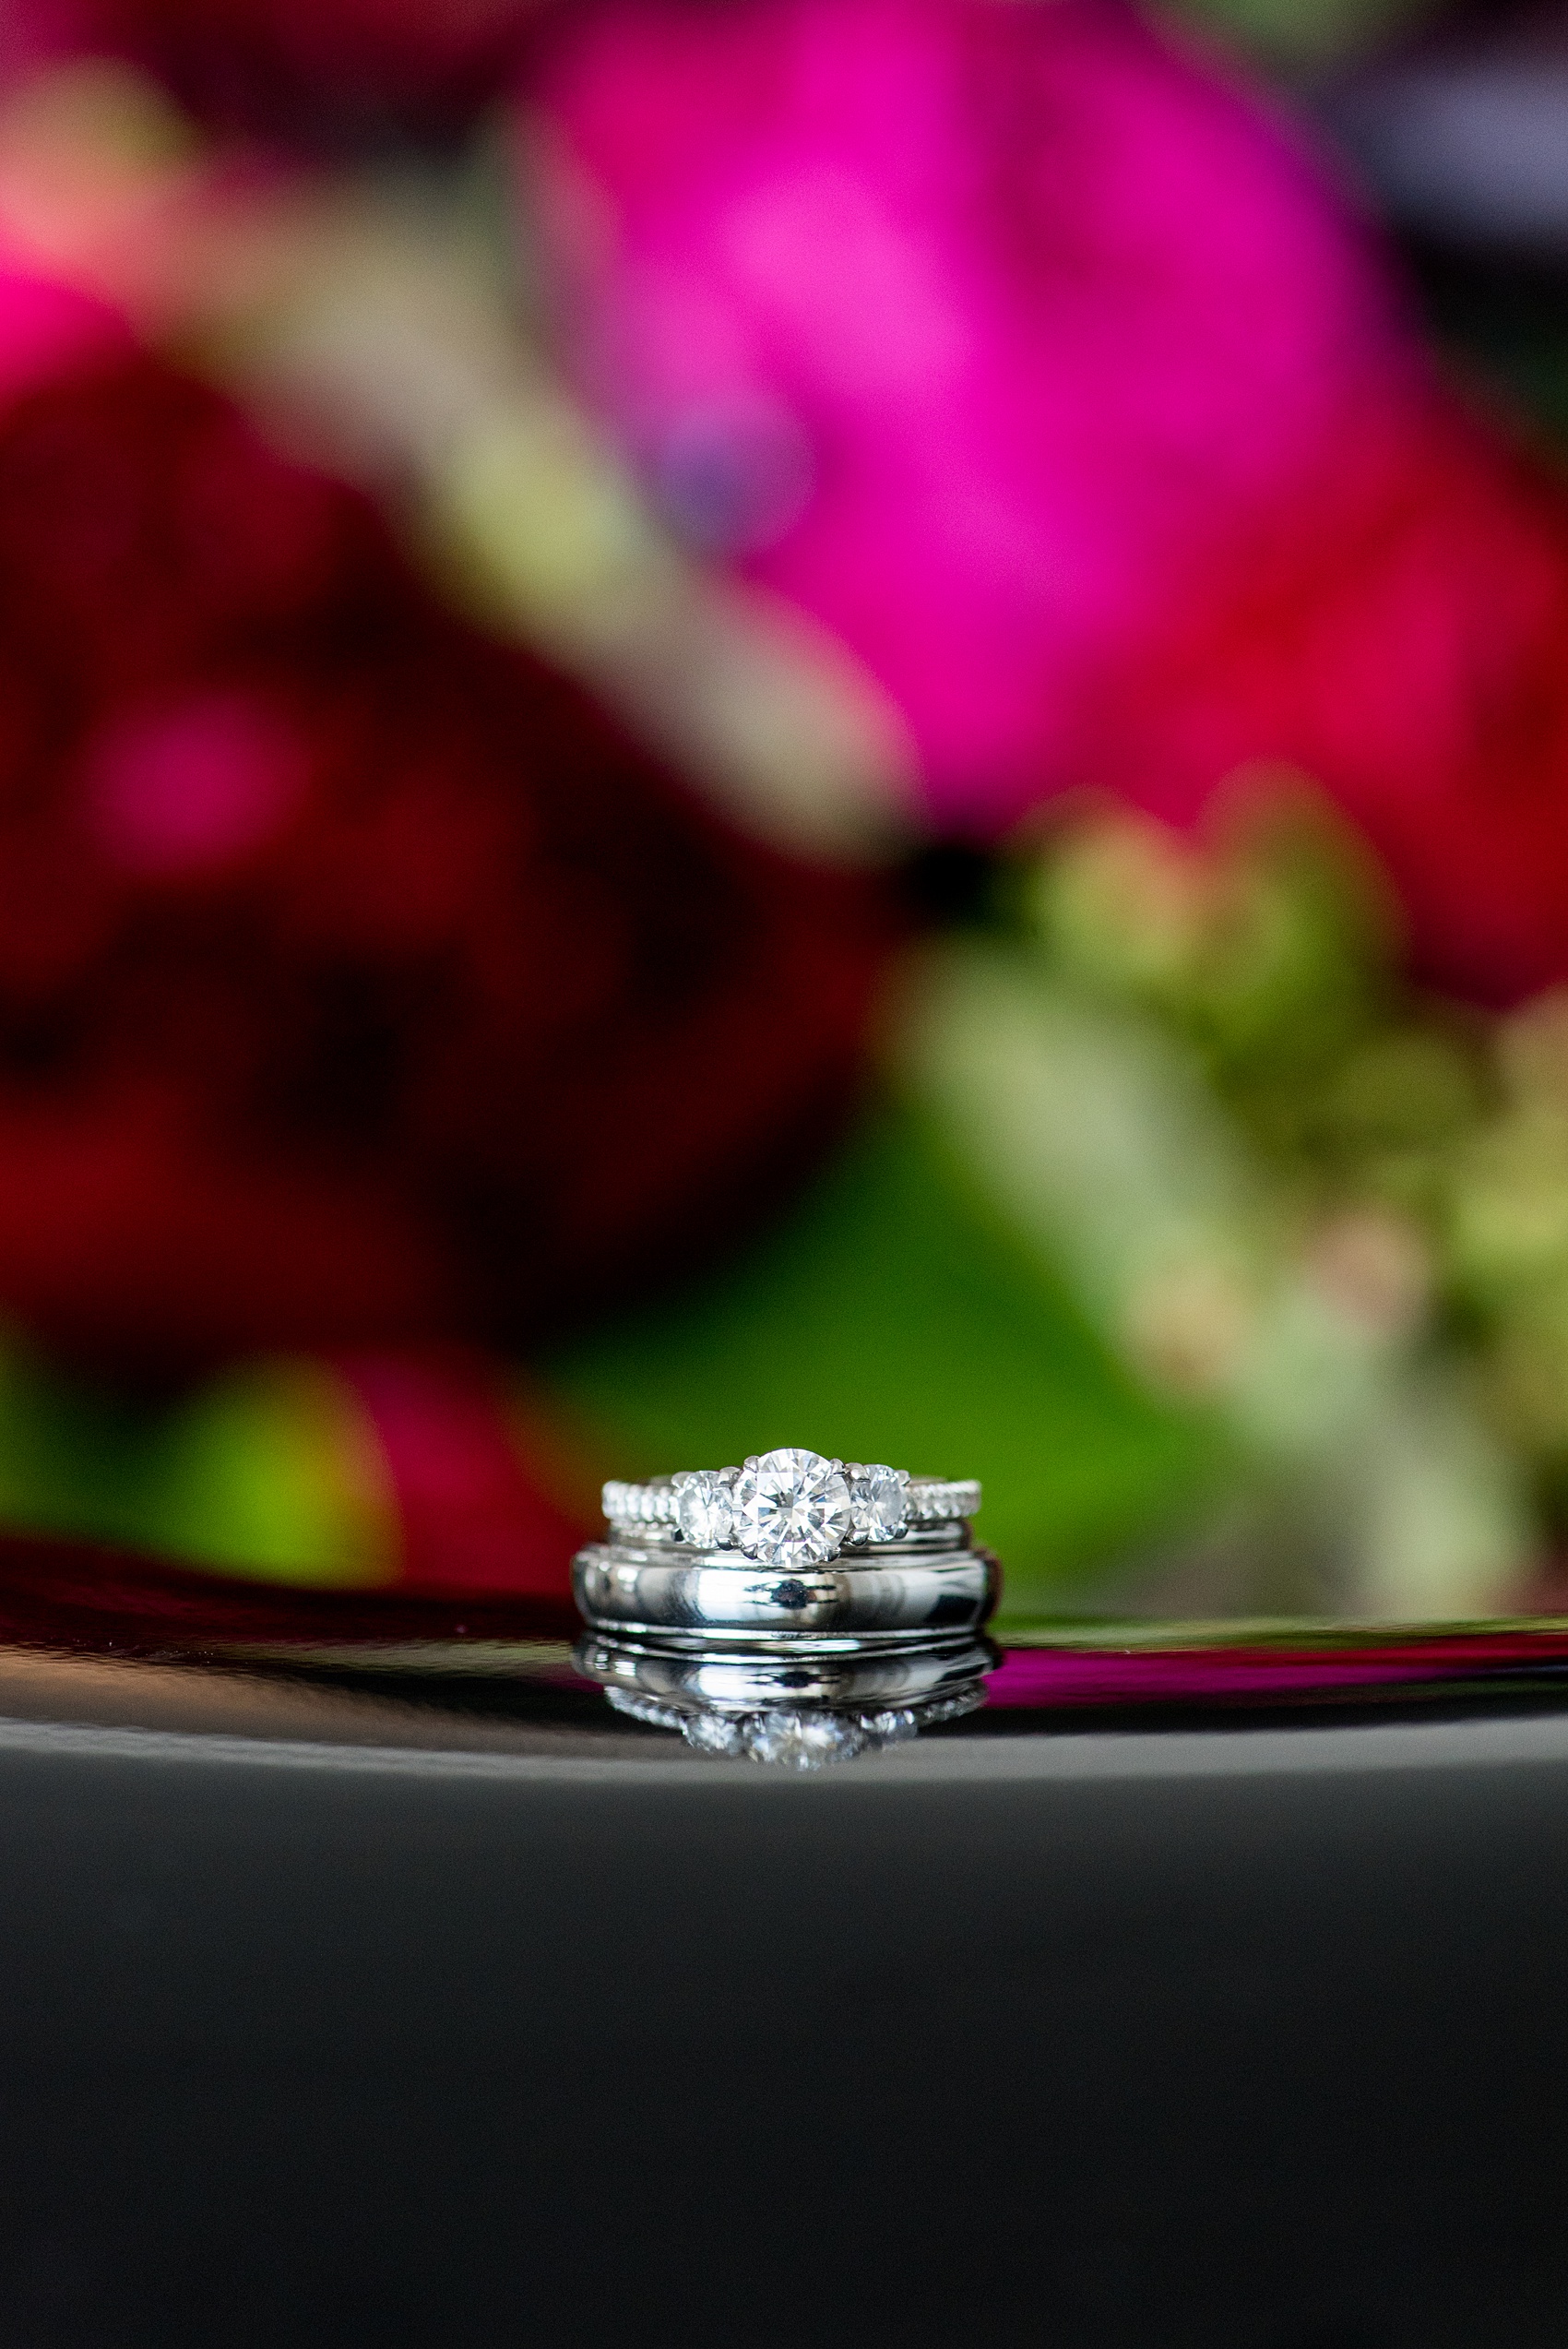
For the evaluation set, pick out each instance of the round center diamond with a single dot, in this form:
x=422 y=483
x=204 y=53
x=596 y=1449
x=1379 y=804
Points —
x=792 y=1508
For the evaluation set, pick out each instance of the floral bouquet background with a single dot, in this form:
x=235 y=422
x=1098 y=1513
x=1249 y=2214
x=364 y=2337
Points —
x=727 y=722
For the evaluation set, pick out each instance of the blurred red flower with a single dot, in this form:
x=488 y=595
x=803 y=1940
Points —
x=314 y=68
x=1043 y=364
x=1398 y=628
x=358 y=980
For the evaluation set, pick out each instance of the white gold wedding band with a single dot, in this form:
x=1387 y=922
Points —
x=911 y=1594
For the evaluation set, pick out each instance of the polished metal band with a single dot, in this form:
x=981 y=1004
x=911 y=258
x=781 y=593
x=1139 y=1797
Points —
x=910 y=1592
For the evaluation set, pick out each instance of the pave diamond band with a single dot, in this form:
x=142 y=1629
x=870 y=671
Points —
x=789 y=1508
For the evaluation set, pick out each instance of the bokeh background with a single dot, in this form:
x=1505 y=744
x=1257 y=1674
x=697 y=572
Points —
x=734 y=721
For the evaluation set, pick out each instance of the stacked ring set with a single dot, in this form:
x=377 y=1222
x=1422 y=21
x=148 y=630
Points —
x=798 y=1609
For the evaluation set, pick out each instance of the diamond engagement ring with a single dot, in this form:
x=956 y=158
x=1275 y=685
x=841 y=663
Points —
x=788 y=1508
x=799 y=1609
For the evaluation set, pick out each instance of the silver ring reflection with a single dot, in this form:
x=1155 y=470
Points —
x=860 y=1679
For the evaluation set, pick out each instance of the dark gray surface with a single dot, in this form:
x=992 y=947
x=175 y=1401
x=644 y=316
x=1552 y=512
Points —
x=1252 y=2037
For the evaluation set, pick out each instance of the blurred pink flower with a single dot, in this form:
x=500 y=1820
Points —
x=474 y=1481
x=196 y=788
x=1018 y=307
x=1398 y=628
x=49 y=331
x=1045 y=366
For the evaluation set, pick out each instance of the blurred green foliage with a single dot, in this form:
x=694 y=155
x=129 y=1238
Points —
x=1399 y=1162
x=1304 y=32
x=1267 y=945
x=263 y=1470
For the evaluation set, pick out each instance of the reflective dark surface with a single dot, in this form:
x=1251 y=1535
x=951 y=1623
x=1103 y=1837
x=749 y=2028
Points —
x=364 y=1977
x=98 y=1638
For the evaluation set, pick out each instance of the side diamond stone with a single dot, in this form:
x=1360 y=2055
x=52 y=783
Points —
x=705 y=1509
x=892 y=1728
x=792 y=1508
x=714 y=1733
x=880 y=1498
x=804 y=1740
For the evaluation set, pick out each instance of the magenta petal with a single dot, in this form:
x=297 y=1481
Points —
x=48 y=330
x=971 y=327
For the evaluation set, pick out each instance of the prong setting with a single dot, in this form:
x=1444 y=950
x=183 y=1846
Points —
x=789 y=1508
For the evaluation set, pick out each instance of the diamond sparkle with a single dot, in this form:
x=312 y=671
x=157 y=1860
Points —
x=804 y=1740
x=705 y=1509
x=792 y=1508
x=881 y=1500
x=714 y=1733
